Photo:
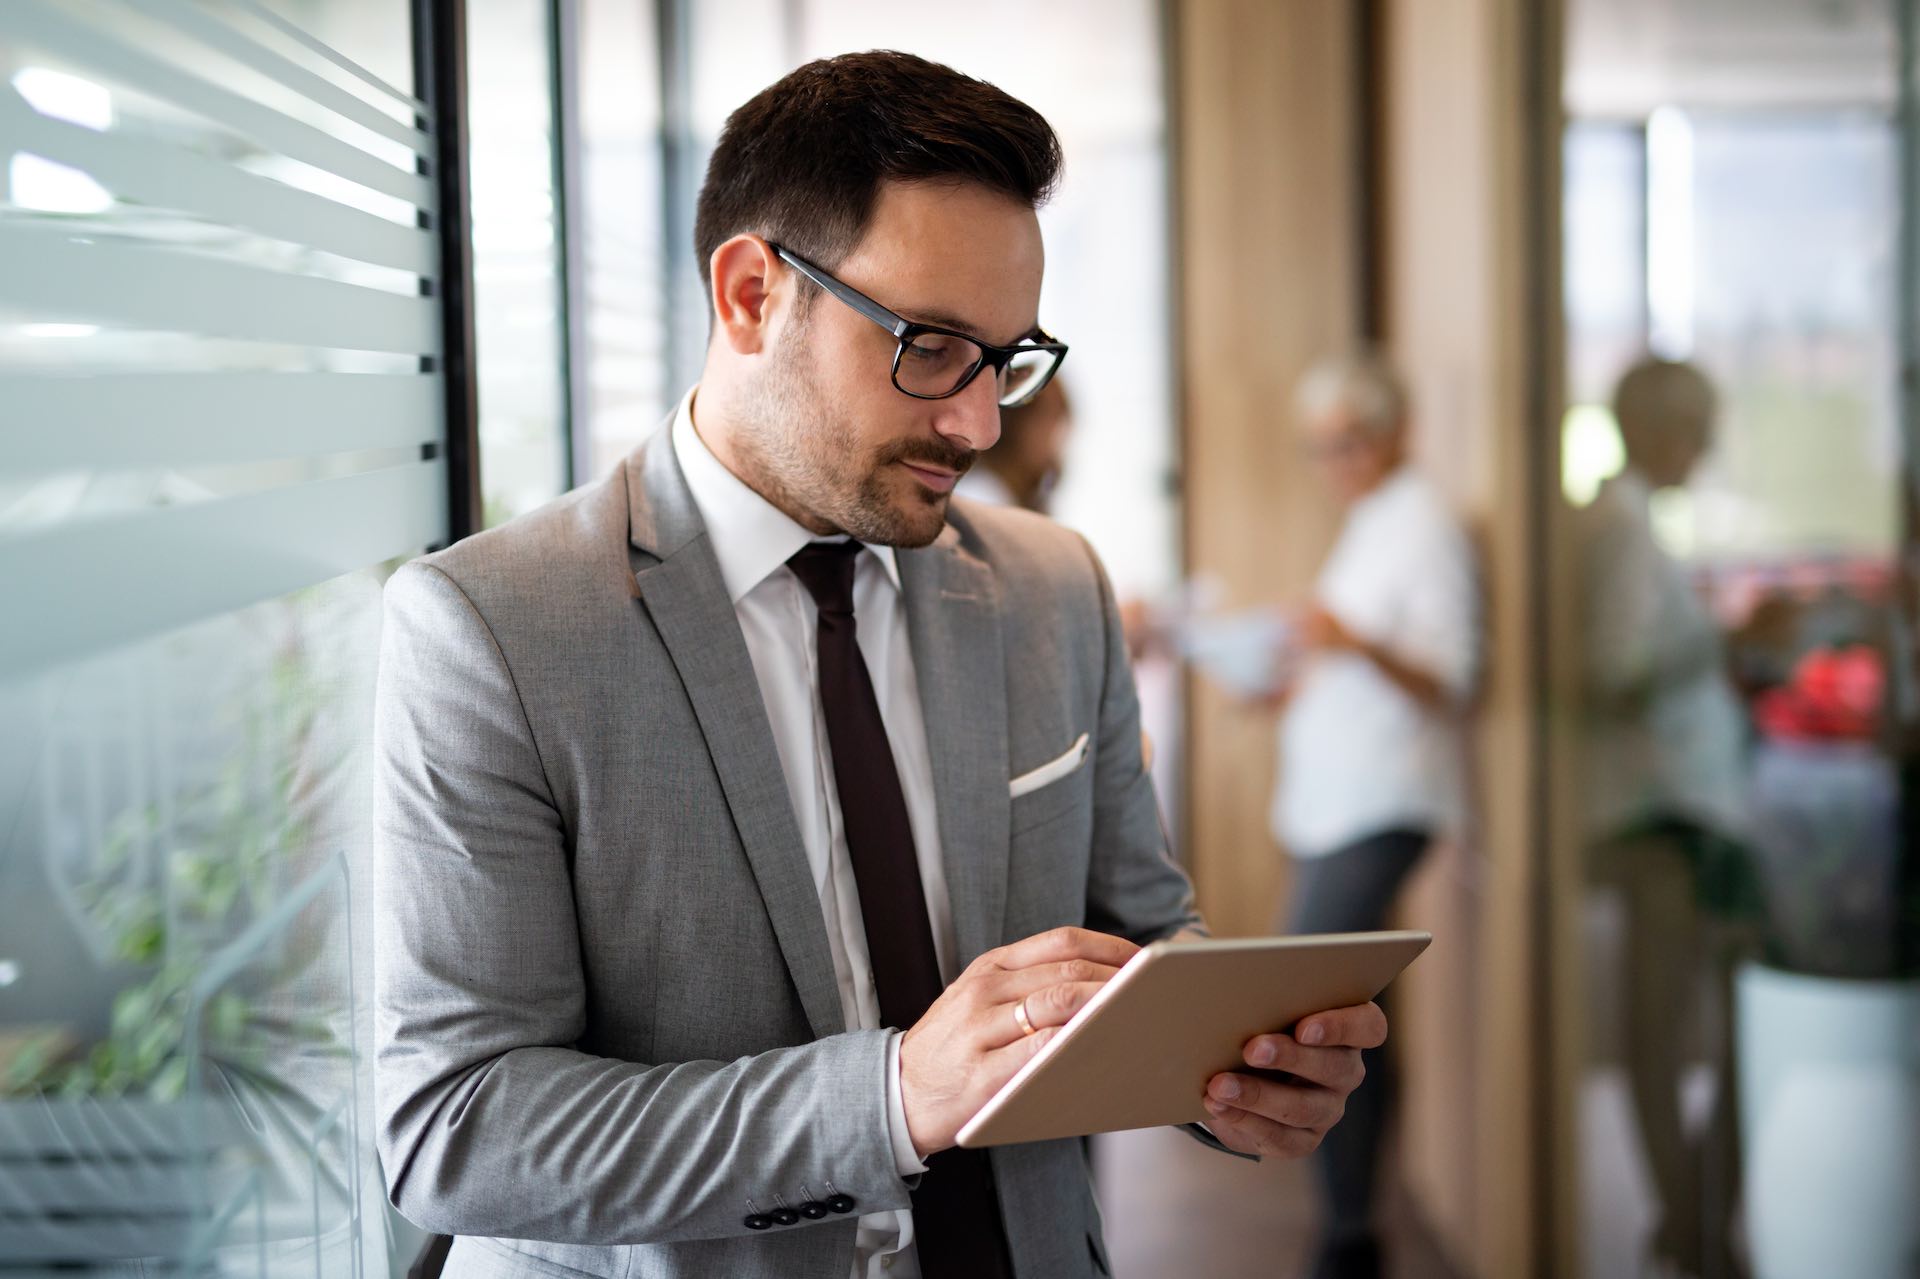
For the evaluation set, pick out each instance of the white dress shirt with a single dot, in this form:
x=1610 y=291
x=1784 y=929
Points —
x=1358 y=754
x=753 y=541
x=1664 y=732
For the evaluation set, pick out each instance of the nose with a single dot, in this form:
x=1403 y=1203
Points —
x=972 y=418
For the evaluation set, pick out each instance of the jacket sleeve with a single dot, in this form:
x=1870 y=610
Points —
x=489 y=1120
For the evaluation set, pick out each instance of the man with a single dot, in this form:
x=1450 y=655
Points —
x=702 y=785
x=1370 y=740
x=1024 y=465
x=1667 y=806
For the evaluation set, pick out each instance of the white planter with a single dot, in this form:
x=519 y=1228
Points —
x=1830 y=1120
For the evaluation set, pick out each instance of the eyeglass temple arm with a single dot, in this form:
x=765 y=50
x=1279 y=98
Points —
x=894 y=324
x=845 y=292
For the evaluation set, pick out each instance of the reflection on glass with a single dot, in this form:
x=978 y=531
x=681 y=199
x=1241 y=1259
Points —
x=1666 y=812
x=174 y=899
x=517 y=262
x=1751 y=1098
x=619 y=356
x=212 y=328
x=1604 y=248
x=1795 y=253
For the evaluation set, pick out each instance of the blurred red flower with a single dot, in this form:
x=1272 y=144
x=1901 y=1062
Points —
x=1834 y=694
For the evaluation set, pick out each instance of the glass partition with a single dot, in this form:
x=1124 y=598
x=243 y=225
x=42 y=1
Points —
x=1748 y=1101
x=519 y=295
x=220 y=424
x=619 y=349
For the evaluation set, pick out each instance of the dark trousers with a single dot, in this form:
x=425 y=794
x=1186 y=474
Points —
x=1350 y=891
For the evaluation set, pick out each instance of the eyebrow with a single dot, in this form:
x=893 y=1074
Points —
x=947 y=320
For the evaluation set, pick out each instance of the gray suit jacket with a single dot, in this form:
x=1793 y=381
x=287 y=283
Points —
x=606 y=1008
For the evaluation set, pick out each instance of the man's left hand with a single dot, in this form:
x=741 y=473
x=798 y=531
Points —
x=1262 y=1115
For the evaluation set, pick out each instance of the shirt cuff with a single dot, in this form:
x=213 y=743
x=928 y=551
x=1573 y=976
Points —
x=906 y=1160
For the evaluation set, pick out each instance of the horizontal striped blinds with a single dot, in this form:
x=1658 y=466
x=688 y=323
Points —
x=220 y=334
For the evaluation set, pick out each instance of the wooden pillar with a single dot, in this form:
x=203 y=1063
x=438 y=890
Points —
x=1284 y=244
x=1267 y=247
x=1469 y=264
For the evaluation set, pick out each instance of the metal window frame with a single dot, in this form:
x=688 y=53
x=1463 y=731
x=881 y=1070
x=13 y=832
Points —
x=1904 y=672
x=440 y=78
x=576 y=404
x=686 y=303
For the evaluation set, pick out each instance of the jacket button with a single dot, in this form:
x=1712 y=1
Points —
x=785 y=1216
x=840 y=1203
x=813 y=1210
x=758 y=1221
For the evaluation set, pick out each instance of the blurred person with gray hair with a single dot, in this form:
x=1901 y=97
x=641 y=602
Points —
x=1666 y=803
x=1370 y=742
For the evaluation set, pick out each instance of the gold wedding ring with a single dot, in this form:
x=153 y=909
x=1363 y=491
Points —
x=1020 y=1015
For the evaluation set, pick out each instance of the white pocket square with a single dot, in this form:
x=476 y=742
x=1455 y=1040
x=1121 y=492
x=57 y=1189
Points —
x=1051 y=772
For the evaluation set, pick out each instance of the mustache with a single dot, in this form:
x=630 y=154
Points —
x=938 y=454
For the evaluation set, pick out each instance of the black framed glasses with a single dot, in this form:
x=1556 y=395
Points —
x=932 y=363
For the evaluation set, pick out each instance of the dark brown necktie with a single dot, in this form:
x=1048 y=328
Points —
x=956 y=1214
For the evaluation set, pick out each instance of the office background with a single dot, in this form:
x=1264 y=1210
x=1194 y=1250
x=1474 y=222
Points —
x=292 y=290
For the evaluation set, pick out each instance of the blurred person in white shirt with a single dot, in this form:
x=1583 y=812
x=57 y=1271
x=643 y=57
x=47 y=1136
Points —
x=1665 y=779
x=1370 y=734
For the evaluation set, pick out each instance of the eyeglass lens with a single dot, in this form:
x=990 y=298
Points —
x=934 y=364
x=1023 y=374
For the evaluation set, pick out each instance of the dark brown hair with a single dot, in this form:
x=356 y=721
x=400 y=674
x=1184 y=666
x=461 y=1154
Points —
x=802 y=162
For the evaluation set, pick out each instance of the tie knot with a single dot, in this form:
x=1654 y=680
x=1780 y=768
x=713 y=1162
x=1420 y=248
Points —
x=826 y=570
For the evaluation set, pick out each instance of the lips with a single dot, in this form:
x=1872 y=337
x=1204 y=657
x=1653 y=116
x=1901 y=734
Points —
x=938 y=481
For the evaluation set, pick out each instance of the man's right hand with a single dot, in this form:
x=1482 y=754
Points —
x=972 y=1041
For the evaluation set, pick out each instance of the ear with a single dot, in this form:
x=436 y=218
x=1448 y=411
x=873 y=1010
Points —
x=746 y=280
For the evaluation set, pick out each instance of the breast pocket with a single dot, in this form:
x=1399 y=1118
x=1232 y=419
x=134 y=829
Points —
x=1044 y=792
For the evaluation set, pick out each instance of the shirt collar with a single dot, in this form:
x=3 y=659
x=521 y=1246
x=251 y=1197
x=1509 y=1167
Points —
x=751 y=536
x=1388 y=491
x=1630 y=486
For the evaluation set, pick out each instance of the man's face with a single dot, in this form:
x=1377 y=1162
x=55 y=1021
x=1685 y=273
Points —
x=1352 y=460
x=836 y=441
x=1667 y=451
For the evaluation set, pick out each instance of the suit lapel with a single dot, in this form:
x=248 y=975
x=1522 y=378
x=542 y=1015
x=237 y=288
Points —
x=953 y=623
x=684 y=595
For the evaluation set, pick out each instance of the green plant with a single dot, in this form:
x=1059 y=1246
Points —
x=222 y=858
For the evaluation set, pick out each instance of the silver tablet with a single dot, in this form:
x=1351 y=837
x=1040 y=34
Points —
x=1141 y=1051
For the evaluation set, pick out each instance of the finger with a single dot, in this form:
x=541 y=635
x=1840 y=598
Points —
x=1363 y=1026
x=1009 y=985
x=1004 y=1061
x=1061 y=944
x=1337 y=1068
x=1051 y=1006
x=1253 y=1134
x=1289 y=1104
x=1056 y=1005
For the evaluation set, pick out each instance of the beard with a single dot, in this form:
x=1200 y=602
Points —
x=807 y=459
